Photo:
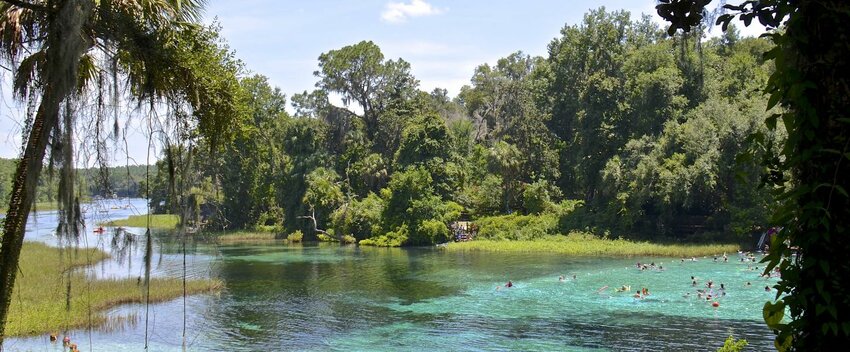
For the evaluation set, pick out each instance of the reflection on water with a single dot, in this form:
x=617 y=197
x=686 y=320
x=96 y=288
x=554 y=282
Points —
x=329 y=297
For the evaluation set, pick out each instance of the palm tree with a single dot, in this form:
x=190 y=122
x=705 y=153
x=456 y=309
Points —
x=57 y=49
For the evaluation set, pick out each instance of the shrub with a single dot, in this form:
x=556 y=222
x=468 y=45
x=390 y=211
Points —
x=348 y=239
x=537 y=197
x=325 y=238
x=517 y=227
x=433 y=231
x=296 y=236
x=732 y=345
x=390 y=239
x=360 y=218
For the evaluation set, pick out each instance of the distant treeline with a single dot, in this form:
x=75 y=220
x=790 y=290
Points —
x=119 y=181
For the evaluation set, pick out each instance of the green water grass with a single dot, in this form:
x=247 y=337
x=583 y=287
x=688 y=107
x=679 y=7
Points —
x=238 y=236
x=38 y=304
x=158 y=221
x=585 y=244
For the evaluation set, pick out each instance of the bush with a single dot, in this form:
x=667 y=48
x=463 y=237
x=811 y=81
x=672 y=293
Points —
x=296 y=236
x=359 y=219
x=537 y=197
x=390 y=239
x=433 y=231
x=732 y=345
x=348 y=239
x=325 y=238
x=517 y=227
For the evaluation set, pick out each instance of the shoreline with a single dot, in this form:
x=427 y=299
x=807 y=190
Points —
x=44 y=284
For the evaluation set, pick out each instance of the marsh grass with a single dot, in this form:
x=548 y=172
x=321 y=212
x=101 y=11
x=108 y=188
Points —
x=585 y=244
x=39 y=301
x=158 y=221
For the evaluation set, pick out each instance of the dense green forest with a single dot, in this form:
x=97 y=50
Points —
x=620 y=130
x=121 y=181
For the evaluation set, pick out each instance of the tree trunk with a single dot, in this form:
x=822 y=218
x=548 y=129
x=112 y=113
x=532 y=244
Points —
x=65 y=48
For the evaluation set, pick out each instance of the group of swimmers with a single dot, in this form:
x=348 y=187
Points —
x=708 y=294
x=651 y=266
x=66 y=342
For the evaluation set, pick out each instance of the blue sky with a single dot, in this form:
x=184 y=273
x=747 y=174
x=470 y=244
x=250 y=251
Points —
x=442 y=40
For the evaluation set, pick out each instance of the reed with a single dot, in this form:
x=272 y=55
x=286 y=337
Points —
x=39 y=303
x=157 y=221
x=586 y=244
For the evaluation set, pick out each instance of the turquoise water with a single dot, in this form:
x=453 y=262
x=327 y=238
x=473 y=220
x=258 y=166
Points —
x=319 y=298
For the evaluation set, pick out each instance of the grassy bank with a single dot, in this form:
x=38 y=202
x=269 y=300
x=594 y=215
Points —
x=39 y=299
x=583 y=244
x=158 y=221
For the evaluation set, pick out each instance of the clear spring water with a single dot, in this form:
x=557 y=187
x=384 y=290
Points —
x=327 y=297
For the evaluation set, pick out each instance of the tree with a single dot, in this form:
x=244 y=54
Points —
x=250 y=169
x=810 y=85
x=360 y=74
x=323 y=195
x=54 y=48
x=586 y=98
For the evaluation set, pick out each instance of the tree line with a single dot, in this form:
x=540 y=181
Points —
x=620 y=128
x=119 y=181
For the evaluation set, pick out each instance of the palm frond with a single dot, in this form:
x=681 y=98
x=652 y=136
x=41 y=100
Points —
x=28 y=73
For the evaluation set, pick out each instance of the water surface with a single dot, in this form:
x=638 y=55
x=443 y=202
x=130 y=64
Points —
x=347 y=298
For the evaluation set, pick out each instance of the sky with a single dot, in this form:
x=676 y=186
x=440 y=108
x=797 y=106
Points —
x=442 y=40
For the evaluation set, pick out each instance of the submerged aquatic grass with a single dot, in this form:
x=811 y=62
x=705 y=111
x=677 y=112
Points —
x=158 y=221
x=585 y=244
x=237 y=236
x=39 y=301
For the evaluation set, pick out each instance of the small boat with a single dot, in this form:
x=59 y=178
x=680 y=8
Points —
x=99 y=230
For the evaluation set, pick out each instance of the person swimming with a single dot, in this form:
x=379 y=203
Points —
x=509 y=284
x=561 y=278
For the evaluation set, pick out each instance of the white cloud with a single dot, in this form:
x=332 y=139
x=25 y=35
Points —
x=398 y=12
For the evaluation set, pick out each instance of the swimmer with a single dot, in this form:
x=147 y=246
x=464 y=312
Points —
x=767 y=289
x=749 y=284
x=561 y=278
x=509 y=284
x=574 y=276
x=603 y=288
x=637 y=294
